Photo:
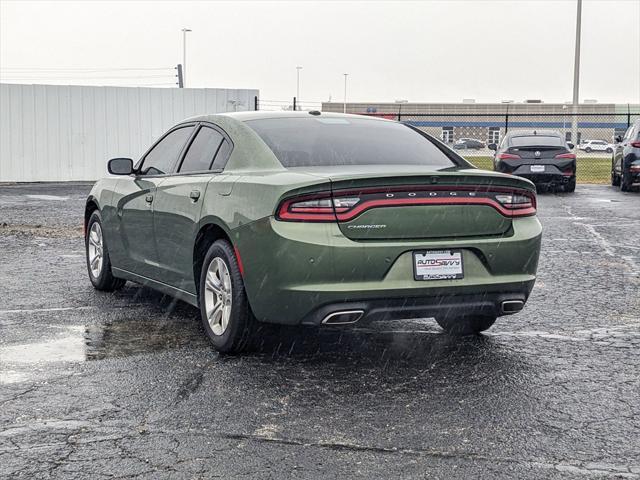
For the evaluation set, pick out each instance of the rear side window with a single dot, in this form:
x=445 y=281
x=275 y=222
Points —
x=222 y=156
x=537 y=141
x=202 y=150
x=163 y=156
x=328 y=141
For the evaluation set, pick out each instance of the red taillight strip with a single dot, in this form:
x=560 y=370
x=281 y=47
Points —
x=322 y=214
x=508 y=156
x=400 y=202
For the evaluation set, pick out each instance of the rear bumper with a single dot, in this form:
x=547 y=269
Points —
x=292 y=271
x=557 y=172
x=546 y=178
x=442 y=307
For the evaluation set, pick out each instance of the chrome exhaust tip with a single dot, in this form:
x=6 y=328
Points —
x=511 y=306
x=343 y=317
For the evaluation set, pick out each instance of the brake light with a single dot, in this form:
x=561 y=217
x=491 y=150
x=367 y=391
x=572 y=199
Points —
x=507 y=156
x=347 y=205
x=635 y=144
x=572 y=156
x=516 y=201
x=317 y=208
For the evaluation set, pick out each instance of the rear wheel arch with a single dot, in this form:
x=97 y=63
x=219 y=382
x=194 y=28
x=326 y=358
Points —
x=90 y=207
x=206 y=236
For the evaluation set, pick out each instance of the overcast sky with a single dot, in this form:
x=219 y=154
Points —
x=419 y=51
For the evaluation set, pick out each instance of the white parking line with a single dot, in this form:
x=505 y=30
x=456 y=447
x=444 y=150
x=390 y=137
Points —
x=57 y=309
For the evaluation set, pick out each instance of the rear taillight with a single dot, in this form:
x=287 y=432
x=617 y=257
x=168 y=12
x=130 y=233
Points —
x=507 y=156
x=571 y=156
x=516 y=201
x=635 y=144
x=347 y=205
x=317 y=208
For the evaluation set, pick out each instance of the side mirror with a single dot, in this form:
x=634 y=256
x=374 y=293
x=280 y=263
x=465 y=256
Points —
x=618 y=139
x=120 y=166
x=570 y=145
x=492 y=146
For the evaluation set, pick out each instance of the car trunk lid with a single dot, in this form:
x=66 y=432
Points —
x=412 y=204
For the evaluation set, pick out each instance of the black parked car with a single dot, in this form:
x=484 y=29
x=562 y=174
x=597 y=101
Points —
x=542 y=156
x=464 y=143
x=625 y=163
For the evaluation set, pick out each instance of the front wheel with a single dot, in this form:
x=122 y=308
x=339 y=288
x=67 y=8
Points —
x=224 y=307
x=588 y=150
x=466 y=325
x=98 y=261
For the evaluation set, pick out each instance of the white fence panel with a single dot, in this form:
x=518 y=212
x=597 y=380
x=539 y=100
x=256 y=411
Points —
x=59 y=133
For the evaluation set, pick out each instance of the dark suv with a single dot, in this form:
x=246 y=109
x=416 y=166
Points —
x=542 y=156
x=625 y=163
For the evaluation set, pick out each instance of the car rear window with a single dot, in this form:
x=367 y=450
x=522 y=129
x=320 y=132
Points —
x=328 y=141
x=537 y=140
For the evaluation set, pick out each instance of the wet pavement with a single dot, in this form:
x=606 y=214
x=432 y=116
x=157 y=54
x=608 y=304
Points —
x=125 y=385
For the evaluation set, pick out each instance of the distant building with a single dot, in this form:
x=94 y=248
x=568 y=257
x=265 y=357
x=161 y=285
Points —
x=489 y=121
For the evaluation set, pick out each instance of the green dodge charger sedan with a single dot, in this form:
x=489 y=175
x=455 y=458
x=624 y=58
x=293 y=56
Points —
x=309 y=218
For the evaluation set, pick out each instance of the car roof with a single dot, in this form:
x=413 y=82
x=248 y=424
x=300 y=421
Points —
x=259 y=115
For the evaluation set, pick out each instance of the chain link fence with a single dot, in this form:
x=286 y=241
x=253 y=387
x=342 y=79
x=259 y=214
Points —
x=593 y=134
x=469 y=134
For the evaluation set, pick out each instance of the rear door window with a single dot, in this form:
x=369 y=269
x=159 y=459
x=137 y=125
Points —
x=202 y=151
x=222 y=156
x=164 y=155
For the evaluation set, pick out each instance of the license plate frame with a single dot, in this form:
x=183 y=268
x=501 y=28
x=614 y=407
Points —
x=432 y=272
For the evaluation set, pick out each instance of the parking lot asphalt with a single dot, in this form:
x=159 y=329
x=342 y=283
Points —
x=125 y=385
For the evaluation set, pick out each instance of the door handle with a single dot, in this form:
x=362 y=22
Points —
x=194 y=195
x=149 y=198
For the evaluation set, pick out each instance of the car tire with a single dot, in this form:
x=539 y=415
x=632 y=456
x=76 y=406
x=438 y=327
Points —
x=625 y=185
x=570 y=186
x=224 y=307
x=588 y=150
x=615 y=179
x=466 y=325
x=609 y=150
x=97 y=257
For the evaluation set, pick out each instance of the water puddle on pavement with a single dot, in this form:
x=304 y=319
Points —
x=79 y=343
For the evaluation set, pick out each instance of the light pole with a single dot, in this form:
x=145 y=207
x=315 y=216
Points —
x=184 y=55
x=576 y=75
x=298 y=86
x=344 y=106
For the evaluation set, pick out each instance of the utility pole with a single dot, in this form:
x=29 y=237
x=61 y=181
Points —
x=298 y=85
x=184 y=55
x=180 y=79
x=344 y=106
x=576 y=76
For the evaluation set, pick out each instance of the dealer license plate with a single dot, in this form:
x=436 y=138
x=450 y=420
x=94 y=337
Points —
x=438 y=265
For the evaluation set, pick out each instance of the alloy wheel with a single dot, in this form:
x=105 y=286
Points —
x=95 y=250
x=218 y=296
